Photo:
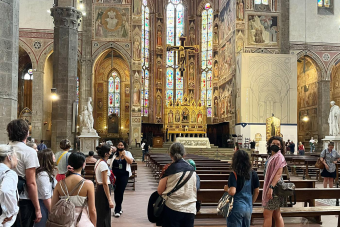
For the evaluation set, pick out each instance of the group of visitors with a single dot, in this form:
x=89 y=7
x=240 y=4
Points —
x=30 y=194
x=290 y=146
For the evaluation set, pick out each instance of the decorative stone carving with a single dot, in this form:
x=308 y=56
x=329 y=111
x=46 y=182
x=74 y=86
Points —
x=333 y=119
x=194 y=142
x=66 y=17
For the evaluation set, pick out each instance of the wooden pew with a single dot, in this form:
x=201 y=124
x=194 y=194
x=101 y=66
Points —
x=219 y=184
x=226 y=176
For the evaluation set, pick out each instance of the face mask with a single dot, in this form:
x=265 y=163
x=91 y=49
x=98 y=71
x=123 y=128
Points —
x=111 y=156
x=120 y=149
x=274 y=148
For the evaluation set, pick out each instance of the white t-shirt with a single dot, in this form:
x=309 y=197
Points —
x=45 y=186
x=99 y=167
x=27 y=159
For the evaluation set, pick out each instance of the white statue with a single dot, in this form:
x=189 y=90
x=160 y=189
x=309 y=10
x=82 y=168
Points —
x=86 y=117
x=333 y=119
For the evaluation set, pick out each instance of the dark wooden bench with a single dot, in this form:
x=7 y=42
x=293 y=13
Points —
x=226 y=176
x=219 y=184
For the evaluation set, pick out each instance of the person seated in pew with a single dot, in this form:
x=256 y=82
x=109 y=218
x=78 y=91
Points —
x=329 y=157
x=90 y=158
x=273 y=176
x=244 y=185
x=180 y=207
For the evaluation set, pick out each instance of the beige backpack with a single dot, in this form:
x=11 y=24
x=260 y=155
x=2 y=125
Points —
x=62 y=214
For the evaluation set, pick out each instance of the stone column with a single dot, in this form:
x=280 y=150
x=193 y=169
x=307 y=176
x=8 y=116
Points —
x=64 y=71
x=9 y=46
x=323 y=110
x=37 y=105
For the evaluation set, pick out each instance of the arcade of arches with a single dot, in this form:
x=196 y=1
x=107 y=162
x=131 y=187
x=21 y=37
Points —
x=237 y=62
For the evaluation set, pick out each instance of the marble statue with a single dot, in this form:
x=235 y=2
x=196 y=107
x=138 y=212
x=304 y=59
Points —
x=86 y=117
x=333 y=119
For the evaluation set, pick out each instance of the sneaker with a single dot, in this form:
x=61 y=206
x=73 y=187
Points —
x=117 y=215
x=121 y=212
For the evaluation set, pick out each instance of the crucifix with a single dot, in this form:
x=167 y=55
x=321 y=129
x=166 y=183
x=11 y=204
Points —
x=182 y=53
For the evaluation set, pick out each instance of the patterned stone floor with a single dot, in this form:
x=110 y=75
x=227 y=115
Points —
x=135 y=207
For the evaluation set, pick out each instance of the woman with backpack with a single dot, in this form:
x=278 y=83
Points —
x=8 y=186
x=103 y=196
x=244 y=185
x=80 y=193
x=45 y=183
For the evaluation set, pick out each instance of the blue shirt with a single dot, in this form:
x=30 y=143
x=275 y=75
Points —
x=42 y=146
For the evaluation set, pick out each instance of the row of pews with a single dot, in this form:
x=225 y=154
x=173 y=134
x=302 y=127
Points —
x=214 y=175
x=90 y=174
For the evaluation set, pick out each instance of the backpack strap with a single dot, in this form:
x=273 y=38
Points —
x=61 y=157
x=77 y=186
x=235 y=175
x=81 y=212
x=81 y=186
x=62 y=185
x=179 y=185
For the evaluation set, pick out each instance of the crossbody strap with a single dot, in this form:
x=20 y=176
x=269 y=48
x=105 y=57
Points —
x=81 y=212
x=179 y=185
x=61 y=157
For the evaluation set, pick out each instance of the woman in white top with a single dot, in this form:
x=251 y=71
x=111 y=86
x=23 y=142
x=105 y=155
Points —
x=103 y=196
x=121 y=167
x=180 y=206
x=45 y=183
x=8 y=186
x=77 y=163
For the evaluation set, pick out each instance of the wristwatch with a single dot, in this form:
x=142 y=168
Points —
x=271 y=186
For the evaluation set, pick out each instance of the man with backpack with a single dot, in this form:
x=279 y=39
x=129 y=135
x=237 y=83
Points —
x=29 y=208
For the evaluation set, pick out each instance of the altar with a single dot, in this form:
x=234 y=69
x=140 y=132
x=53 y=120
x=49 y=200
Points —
x=186 y=119
x=194 y=142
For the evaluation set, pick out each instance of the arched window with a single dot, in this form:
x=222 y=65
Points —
x=207 y=57
x=326 y=7
x=28 y=75
x=114 y=94
x=175 y=29
x=145 y=58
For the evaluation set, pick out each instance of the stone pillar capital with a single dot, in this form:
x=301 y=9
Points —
x=66 y=17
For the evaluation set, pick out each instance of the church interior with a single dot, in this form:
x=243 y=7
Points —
x=207 y=73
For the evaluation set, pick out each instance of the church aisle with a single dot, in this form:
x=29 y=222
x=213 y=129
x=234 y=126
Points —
x=136 y=202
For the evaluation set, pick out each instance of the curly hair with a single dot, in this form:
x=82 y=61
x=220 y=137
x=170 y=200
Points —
x=46 y=162
x=241 y=164
x=65 y=144
x=283 y=150
x=17 y=130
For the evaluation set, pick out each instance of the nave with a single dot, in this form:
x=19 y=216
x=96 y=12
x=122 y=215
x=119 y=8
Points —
x=135 y=206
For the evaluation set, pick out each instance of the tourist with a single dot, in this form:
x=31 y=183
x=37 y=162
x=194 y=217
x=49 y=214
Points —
x=143 y=150
x=329 y=157
x=287 y=146
x=90 y=158
x=121 y=167
x=45 y=183
x=103 y=196
x=42 y=146
x=292 y=147
x=272 y=176
x=244 y=188
x=8 y=186
x=18 y=131
x=301 y=149
x=33 y=145
x=62 y=159
x=312 y=145
x=180 y=207
x=84 y=194
x=252 y=145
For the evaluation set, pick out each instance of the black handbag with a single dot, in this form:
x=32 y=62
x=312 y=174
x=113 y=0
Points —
x=158 y=206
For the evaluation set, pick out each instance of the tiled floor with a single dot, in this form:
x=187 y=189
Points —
x=135 y=207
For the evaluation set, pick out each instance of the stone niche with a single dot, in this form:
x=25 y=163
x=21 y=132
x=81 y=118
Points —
x=266 y=84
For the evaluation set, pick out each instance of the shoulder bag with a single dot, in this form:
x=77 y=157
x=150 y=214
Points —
x=158 y=206
x=319 y=164
x=284 y=189
x=225 y=205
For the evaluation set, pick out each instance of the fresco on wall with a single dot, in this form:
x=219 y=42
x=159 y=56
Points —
x=240 y=10
x=113 y=1
x=225 y=105
x=263 y=30
x=111 y=23
x=227 y=21
x=226 y=58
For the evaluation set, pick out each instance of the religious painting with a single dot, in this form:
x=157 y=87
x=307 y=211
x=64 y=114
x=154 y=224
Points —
x=177 y=117
x=263 y=30
x=100 y=103
x=215 y=69
x=226 y=58
x=136 y=95
x=227 y=20
x=111 y=23
x=240 y=10
x=239 y=42
x=273 y=127
x=185 y=115
x=192 y=72
x=113 y=123
x=137 y=7
x=215 y=107
x=258 y=138
x=200 y=118
x=170 y=117
x=158 y=106
x=193 y=117
x=225 y=103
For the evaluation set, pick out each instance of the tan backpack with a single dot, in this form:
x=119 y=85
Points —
x=62 y=214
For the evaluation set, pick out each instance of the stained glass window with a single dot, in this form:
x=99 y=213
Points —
x=264 y=2
x=175 y=29
x=114 y=94
x=207 y=57
x=324 y=3
x=145 y=59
